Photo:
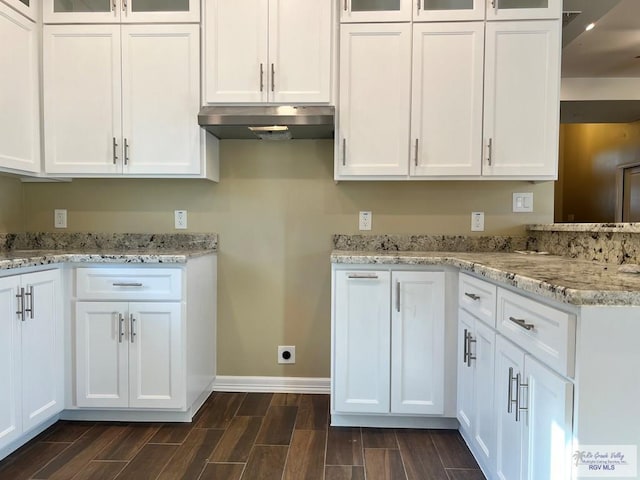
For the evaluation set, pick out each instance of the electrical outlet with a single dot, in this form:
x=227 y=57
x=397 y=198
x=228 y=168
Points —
x=477 y=221
x=180 y=219
x=366 y=219
x=60 y=218
x=286 y=354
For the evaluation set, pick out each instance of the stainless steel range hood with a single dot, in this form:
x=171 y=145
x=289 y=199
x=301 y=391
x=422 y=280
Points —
x=269 y=122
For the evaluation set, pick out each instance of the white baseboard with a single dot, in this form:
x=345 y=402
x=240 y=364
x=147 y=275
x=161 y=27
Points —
x=272 y=384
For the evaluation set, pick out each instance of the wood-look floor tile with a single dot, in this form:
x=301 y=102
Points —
x=452 y=449
x=383 y=464
x=344 y=446
x=266 y=462
x=191 y=457
x=172 y=433
x=465 y=474
x=313 y=413
x=306 y=455
x=255 y=404
x=64 y=431
x=222 y=471
x=421 y=459
x=277 y=426
x=100 y=470
x=219 y=410
x=287 y=399
x=334 y=472
x=22 y=464
x=74 y=458
x=132 y=438
x=149 y=462
x=379 y=438
x=237 y=440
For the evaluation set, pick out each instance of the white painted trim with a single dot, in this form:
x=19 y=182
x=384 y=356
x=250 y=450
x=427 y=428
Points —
x=23 y=439
x=393 y=421
x=272 y=384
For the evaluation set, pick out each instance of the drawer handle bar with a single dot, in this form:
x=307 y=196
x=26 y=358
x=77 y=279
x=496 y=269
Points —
x=522 y=323
x=510 y=400
x=472 y=296
x=363 y=277
x=120 y=329
x=132 y=324
x=133 y=284
x=470 y=356
x=21 y=300
x=519 y=408
x=29 y=293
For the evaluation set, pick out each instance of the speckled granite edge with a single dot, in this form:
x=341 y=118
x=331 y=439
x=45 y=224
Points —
x=430 y=243
x=586 y=227
x=108 y=241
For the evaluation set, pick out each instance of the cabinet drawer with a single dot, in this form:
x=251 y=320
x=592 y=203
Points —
x=128 y=283
x=545 y=332
x=478 y=298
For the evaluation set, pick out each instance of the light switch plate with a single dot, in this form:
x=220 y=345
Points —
x=60 y=218
x=477 y=221
x=523 y=202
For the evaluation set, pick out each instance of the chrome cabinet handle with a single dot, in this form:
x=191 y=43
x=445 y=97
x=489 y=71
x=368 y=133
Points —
x=20 y=297
x=344 y=152
x=510 y=401
x=519 y=408
x=273 y=77
x=360 y=276
x=124 y=5
x=120 y=327
x=419 y=5
x=490 y=147
x=522 y=323
x=470 y=356
x=345 y=5
x=115 y=151
x=28 y=293
x=132 y=323
x=126 y=152
x=124 y=284
x=465 y=348
x=472 y=296
x=261 y=77
x=398 y=296
x=416 y=155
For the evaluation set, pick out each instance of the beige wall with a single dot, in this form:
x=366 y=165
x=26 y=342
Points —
x=587 y=175
x=275 y=209
x=11 y=205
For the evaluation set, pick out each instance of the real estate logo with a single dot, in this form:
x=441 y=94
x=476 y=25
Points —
x=617 y=461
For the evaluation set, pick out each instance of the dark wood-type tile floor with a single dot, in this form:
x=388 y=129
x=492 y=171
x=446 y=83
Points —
x=242 y=436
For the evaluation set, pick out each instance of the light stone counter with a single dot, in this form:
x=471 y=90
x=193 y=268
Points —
x=572 y=281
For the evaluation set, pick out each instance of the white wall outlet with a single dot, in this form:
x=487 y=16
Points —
x=180 y=219
x=60 y=218
x=365 y=220
x=523 y=202
x=286 y=354
x=477 y=221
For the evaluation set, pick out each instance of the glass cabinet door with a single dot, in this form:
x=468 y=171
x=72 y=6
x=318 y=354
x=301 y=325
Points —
x=436 y=10
x=25 y=7
x=160 y=11
x=81 y=11
x=523 y=9
x=375 y=10
x=126 y=11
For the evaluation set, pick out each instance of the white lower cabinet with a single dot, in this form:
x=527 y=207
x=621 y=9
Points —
x=31 y=385
x=129 y=355
x=388 y=342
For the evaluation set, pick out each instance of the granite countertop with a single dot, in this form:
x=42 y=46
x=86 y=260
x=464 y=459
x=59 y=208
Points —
x=567 y=280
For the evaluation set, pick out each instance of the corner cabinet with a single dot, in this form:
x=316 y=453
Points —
x=31 y=385
x=19 y=91
x=388 y=345
x=123 y=100
x=276 y=51
x=125 y=11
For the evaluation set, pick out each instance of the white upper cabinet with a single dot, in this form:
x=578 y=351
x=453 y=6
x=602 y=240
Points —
x=375 y=100
x=523 y=9
x=375 y=10
x=522 y=99
x=28 y=8
x=125 y=11
x=438 y=10
x=275 y=51
x=442 y=86
x=19 y=92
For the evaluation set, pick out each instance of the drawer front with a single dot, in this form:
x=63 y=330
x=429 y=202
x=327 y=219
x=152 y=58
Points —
x=129 y=284
x=545 y=332
x=478 y=298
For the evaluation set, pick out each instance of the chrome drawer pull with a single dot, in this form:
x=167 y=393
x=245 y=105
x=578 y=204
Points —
x=470 y=356
x=363 y=277
x=120 y=329
x=465 y=350
x=511 y=401
x=522 y=323
x=472 y=296
x=132 y=323
x=119 y=284
x=518 y=407
x=21 y=300
x=29 y=294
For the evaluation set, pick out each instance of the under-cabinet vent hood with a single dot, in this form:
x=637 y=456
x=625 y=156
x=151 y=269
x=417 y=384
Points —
x=270 y=122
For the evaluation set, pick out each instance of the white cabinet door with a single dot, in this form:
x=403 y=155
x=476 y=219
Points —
x=375 y=100
x=41 y=345
x=300 y=66
x=28 y=8
x=161 y=99
x=548 y=425
x=375 y=10
x=102 y=336
x=521 y=99
x=439 y=10
x=156 y=356
x=85 y=11
x=10 y=398
x=417 y=343
x=466 y=373
x=19 y=92
x=82 y=99
x=509 y=368
x=523 y=9
x=361 y=339
x=443 y=88
x=484 y=428
x=236 y=51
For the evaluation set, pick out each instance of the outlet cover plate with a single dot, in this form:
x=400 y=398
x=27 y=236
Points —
x=292 y=354
x=365 y=220
x=60 y=218
x=180 y=219
x=477 y=221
